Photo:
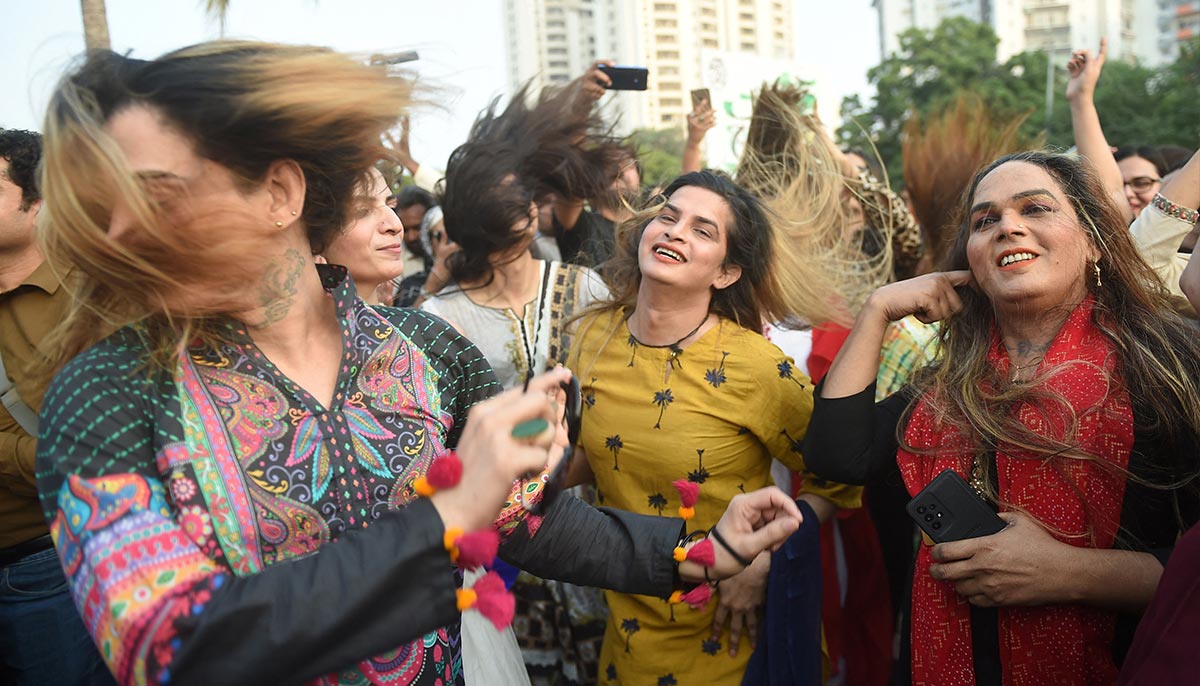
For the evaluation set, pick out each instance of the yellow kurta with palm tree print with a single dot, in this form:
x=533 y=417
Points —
x=715 y=414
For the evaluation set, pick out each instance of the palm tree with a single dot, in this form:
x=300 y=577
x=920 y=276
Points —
x=658 y=501
x=630 y=626
x=95 y=25
x=95 y=21
x=716 y=377
x=662 y=399
x=614 y=443
x=701 y=474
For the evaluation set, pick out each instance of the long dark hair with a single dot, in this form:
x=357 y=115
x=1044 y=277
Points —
x=512 y=158
x=1159 y=354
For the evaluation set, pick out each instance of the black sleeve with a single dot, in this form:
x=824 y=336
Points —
x=853 y=439
x=368 y=592
x=589 y=546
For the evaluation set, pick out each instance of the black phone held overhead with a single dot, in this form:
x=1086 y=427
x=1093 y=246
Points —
x=626 y=78
x=948 y=509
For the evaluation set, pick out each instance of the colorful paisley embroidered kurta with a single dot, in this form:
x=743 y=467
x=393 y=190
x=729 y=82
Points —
x=222 y=467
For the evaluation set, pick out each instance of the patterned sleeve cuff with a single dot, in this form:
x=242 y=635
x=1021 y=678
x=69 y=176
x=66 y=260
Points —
x=1177 y=211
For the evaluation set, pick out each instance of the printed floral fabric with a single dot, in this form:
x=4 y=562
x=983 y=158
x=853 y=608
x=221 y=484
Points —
x=161 y=487
x=715 y=414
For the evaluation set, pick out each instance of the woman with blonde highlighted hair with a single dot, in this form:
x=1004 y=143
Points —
x=232 y=476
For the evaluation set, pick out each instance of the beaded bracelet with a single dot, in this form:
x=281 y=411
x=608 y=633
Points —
x=1175 y=210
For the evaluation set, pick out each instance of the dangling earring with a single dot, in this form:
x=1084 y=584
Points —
x=1096 y=271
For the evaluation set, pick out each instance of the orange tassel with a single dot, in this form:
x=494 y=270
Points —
x=679 y=554
x=491 y=599
x=676 y=597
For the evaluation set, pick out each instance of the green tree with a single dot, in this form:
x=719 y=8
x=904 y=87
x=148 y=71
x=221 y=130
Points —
x=660 y=152
x=1137 y=104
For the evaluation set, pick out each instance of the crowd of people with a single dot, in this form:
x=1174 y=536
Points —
x=271 y=417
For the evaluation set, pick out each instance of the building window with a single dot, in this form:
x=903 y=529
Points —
x=667 y=54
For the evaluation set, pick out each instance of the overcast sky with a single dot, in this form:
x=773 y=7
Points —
x=460 y=42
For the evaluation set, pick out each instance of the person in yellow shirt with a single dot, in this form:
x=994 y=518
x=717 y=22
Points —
x=678 y=384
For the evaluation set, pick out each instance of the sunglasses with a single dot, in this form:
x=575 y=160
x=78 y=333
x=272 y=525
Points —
x=1142 y=184
x=572 y=414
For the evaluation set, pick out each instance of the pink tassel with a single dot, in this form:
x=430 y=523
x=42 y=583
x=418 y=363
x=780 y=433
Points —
x=702 y=554
x=478 y=548
x=698 y=597
x=445 y=472
x=494 y=601
x=689 y=492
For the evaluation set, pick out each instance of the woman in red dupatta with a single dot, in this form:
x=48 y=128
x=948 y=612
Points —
x=1066 y=395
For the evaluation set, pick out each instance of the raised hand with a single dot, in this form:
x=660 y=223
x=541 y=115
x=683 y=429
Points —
x=699 y=121
x=1085 y=71
x=594 y=84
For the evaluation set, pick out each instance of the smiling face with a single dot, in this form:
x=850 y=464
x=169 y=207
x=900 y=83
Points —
x=684 y=245
x=1026 y=247
x=1141 y=181
x=371 y=247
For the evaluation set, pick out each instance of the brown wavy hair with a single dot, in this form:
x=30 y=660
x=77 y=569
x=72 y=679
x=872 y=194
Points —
x=243 y=105
x=1158 y=353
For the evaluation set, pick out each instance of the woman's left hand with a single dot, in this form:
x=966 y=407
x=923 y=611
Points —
x=739 y=598
x=1022 y=565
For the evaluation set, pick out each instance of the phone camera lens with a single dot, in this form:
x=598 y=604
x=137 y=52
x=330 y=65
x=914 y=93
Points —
x=929 y=518
x=939 y=515
x=937 y=525
x=921 y=510
x=932 y=506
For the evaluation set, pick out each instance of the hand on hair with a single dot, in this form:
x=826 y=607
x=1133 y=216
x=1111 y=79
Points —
x=753 y=522
x=738 y=600
x=1085 y=71
x=930 y=297
x=1023 y=565
x=492 y=459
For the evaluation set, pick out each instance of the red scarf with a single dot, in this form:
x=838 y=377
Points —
x=1066 y=645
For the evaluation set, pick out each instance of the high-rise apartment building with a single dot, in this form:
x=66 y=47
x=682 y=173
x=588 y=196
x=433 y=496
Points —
x=1178 y=21
x=554 y=41
x=1055 y=26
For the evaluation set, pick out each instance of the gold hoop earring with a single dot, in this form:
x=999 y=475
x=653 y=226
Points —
x=1096 y=271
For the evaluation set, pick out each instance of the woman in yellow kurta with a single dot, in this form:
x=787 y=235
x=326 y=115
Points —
x=676 y=386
